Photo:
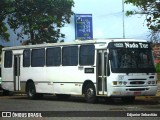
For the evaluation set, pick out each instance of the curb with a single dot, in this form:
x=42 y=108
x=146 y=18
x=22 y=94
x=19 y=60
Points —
x=148 y=97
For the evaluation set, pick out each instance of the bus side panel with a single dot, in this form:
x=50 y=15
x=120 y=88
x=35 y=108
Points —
x=69 y=79
x=38 y=76
x=60 y=80
x=44 y=87
x=66 y=80
x=68 y=88
x=7 y=76
x=7 y=85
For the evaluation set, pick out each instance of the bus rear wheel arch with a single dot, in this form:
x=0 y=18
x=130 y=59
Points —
x=31 y=91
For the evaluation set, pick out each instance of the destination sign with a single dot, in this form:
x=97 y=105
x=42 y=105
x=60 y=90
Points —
x=130 y=45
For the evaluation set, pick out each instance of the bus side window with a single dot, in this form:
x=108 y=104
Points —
x=53 y=56
x=8 y=59
x=38 y=57
x=86 y=56
x=70 y=56
x=26 y=58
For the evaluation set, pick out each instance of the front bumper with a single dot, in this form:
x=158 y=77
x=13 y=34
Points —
x=134 y=91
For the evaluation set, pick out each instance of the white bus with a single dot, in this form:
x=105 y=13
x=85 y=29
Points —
x=94 y=68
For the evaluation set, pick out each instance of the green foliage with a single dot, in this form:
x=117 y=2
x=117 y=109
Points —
x=1 y=50
x=128 y=13
x=150 y=8
x=139 y=3
x=4 y=8
x=41 y=20
x=4 y=31
x=158 y=68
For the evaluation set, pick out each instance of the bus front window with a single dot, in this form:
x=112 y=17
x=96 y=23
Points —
x=132 y=60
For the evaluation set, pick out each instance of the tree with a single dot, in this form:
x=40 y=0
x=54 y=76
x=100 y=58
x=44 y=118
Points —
x=40 y=20
x=151 y=9
x=3 y=13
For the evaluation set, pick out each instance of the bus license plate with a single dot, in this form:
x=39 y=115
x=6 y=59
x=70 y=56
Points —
x=137 y=93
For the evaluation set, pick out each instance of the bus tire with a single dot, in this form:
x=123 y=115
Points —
x=130 y=99
x=31 y=91
x=90 y=93
x=6 y=92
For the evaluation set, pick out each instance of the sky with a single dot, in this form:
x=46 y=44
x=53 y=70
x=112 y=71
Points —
x=107 y=17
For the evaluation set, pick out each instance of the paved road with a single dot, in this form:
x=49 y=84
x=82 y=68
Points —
x=72 y=107
x=76 y=107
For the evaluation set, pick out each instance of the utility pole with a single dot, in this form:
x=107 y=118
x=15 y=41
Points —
x=123 y=15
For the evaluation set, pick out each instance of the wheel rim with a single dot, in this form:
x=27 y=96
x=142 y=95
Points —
x=90 y=93
x=31 y=92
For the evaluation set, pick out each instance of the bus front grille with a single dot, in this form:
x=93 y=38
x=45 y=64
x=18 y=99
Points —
x=137 y=82
x=137 y=89
x=137 y=79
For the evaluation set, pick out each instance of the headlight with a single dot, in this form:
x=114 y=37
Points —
x=114 y=82
x=149 y=82
x=125 y=83
x=120 y=83
x=153 y=82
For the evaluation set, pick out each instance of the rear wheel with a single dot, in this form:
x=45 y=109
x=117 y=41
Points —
x=31 y=92
x=90 y=93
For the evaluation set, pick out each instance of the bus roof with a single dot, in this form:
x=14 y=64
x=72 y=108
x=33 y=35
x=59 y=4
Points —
x=75 y=42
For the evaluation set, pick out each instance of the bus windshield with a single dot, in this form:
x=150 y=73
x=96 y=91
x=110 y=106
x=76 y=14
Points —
x=130 y=60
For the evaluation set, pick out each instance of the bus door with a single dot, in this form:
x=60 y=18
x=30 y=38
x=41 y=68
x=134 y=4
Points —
x=17 y=72
x=102 y=72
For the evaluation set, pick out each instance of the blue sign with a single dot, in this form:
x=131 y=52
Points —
x=83 y=26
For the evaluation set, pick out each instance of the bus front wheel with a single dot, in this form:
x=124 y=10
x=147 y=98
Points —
x=90 y=93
